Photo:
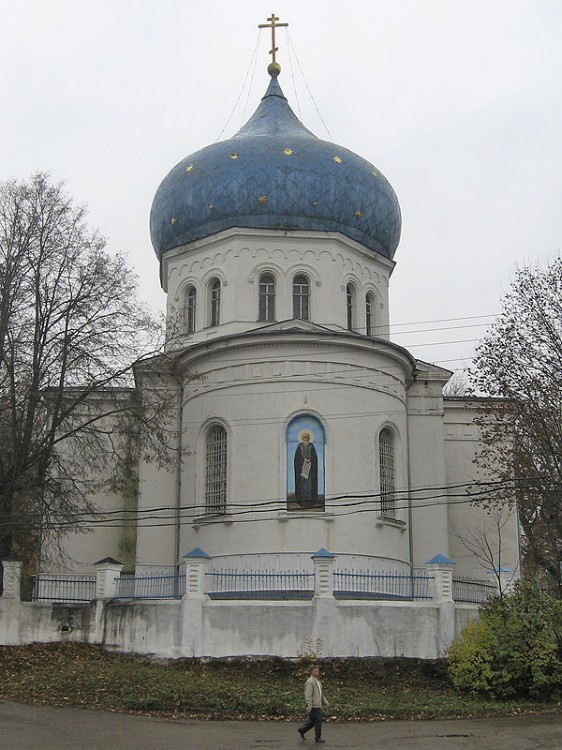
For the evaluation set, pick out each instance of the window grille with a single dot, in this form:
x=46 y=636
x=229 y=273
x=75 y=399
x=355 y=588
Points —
x=386 y=463
x=215 y=303
x=301 y=297
x=191 y=307
x=267 y=298
x=215 y=475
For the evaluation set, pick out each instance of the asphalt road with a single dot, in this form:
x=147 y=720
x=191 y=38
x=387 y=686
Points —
x=24 y=727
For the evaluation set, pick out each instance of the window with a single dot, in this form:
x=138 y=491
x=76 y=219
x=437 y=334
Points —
x=301 y=296
x=266 y=298
x=386 y=464
x=190 y=308
x=215 y=300
x=350 y=300
x=215 y=470
x=370 y=315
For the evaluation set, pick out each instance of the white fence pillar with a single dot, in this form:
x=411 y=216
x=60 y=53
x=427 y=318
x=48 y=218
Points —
x=196 y=563
x=323 y=574
x=108 y=571
x=505 y=580
x=12 y=579
x=441 y=568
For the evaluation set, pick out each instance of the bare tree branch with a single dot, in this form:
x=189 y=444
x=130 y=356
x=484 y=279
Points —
x=71 y=328
x=520 y=361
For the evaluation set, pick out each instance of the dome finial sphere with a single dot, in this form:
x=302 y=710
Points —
x=274 y=69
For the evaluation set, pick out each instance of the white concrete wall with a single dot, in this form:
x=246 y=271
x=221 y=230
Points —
x=335 y=629
x=45 y=622
x=186 y=628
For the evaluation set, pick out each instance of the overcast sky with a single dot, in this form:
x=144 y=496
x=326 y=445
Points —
x=458 y=103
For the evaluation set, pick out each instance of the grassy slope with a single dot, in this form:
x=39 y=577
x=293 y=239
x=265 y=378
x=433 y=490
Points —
x=358 y=689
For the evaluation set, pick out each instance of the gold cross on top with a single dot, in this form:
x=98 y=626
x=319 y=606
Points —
x=274 y=68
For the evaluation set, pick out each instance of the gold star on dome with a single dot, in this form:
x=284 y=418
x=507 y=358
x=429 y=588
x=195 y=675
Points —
x=374 y=173
x=338 y=159
x=234 y=156
x=189 y=168
x=314 y=204
x=288 y=151
x=357 y=214
x=211 y=206
x=262 y=199
x=173 y=221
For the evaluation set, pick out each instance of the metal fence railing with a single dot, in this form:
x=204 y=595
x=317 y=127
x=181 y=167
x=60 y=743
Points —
x=59 y=588
x=355 y=584
x=151 y=587
x=472 y=590
x=229 y=583
x=252 y=584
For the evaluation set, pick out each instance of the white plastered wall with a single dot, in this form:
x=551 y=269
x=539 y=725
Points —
x=253 y=389
x=238 y=259
x=481 y=539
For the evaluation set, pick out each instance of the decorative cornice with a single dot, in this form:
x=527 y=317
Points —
x=312 y=239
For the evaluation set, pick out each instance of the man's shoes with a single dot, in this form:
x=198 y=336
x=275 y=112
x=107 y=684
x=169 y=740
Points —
x=320 y=740
x=301 y=733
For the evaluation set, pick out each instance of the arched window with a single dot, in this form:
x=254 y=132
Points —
x=351 y=306
x=370 y=321
x=190 y=308
x=301 y=297
x=215 y=302
x=266 y=310
x=215 y=470
x=387 y=471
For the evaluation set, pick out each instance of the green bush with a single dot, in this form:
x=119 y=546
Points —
x=514 y=650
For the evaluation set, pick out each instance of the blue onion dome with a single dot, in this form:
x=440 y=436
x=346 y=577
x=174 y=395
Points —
x=275 y=174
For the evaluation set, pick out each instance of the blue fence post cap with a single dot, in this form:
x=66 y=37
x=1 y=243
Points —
x=197 y=552
x=11 y=557
x=108 y=561
x=440 y=560
x=322 y=553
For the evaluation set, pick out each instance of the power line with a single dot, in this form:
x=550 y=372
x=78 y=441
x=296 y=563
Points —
x=354 y=503
x=251 y=69
x=445 y=320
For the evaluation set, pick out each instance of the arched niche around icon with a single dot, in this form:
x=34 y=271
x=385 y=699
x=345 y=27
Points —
x=305 y=463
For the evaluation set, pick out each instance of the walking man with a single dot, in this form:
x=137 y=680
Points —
x=314 y=698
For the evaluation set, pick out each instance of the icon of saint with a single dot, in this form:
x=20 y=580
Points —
x=306 y=471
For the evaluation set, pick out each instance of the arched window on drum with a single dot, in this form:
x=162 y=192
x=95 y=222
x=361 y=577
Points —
x=216 y=457
x=351 y=307
x=266 y=303
x=301 y=297
x=214 y=302
x=387 y=471
x=190 y=308
x=370 y=314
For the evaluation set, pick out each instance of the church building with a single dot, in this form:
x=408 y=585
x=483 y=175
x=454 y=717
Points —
x=301 y=426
